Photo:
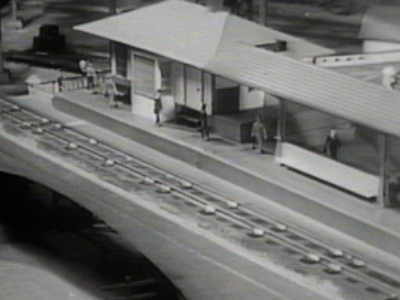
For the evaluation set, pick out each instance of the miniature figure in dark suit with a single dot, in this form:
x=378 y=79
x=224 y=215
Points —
x=205 y=131
x=157 y=107
x=332 y=144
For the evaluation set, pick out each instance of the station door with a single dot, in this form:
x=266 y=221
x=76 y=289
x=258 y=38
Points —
x=193 y=88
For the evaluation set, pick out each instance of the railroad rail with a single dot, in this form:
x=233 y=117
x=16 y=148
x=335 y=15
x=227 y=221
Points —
x=254 y=229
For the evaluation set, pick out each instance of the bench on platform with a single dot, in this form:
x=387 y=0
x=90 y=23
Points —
x=328 y=170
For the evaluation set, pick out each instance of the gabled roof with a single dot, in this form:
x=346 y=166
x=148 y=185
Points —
x=174 y=29
x=325 y=90
x=190 y=33
x=381 y=23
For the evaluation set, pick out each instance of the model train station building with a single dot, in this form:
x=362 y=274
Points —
x=240 y=69
x=171 y=46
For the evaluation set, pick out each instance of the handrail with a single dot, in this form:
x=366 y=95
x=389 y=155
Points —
x=77 y=82
x=74 y=82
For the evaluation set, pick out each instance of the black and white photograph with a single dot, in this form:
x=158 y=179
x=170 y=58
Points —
x=200 y=150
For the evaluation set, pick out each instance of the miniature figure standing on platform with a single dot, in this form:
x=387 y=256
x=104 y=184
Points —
x=82 y=66
x=90 y=75
x=110 y=91
x=60 y=78
x=259 y=133
x=205 y=131
x=332 y=144
x=157 y=107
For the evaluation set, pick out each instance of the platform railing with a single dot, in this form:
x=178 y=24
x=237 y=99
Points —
x=69 y=83
x=79 y=82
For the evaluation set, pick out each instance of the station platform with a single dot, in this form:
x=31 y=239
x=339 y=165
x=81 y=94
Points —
x=239 y=164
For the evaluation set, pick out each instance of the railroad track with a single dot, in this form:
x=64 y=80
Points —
x=263 y=232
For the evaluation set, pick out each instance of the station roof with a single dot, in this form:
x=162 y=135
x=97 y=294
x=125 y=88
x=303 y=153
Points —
x=381 y=23
x=191 y=33
x=225 y=45
x=325 y=90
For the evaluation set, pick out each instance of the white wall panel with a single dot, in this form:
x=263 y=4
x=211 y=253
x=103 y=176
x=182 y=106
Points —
x=208 y=92
x=177 y=83
x=193 y=88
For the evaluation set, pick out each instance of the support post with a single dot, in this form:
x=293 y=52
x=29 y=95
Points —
x=4 y=74
x=14 y=10
x=213 y=94
x=383 y=193
x=281 y=124
x=15 y=22
x=132 y=78
x=202 y=87
x=185 y=92
x=113 y=58
x=112 y=9
x=281 y=127
x=1 y=49
x=261 y=12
